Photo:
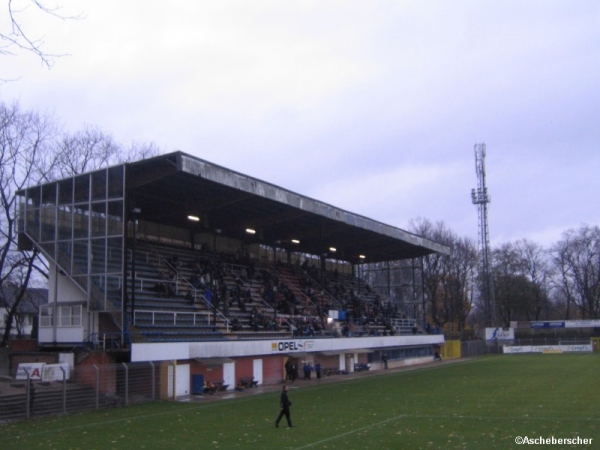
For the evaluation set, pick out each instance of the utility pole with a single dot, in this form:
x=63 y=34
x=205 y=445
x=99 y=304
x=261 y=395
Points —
x=481 y=198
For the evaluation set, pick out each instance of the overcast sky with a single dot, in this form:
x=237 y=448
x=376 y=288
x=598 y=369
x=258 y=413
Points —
x=371 y=106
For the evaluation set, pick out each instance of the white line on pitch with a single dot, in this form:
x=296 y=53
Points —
x=351 y=432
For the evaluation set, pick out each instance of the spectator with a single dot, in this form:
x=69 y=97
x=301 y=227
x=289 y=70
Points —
x=294 y=372
x=307 y=370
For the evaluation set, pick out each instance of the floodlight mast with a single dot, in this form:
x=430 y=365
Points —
x=481 y=198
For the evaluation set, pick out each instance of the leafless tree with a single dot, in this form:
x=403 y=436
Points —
x=32 y=151
x=521 y=281
x=92 y=149
x=25 y=140
x=447 y=279
x=139 y=150
x=577 y=261
x=15 y=37
x=85 y=150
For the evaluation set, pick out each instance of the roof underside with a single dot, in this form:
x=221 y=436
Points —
x=170 y=187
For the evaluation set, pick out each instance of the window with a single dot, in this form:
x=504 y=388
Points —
x=46 y=316
x=68 y=316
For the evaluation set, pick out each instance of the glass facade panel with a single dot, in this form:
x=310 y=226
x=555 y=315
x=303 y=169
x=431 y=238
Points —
x=98 y=219
x=114 y=255
x=98 y=256
x=63 y=255
x=32 y=222
x=115 y=182
x=65 y=191
x=48 y=247
x=113 y=293
x=82 y=281
x=81 y=220
x=65 y=222
x=33 y=196
x=47 y=224
x=49 y=194
x=82 y=189
x=115 y=218
x=97 y=298
x=73 y=222
x=99 y=185
x=80 y=257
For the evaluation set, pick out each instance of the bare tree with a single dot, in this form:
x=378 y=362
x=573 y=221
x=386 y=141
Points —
x=539 y=270
x=32 y=151
x=16 y=37
x=92 y=149
x=521 y=281
x=577 y=260
x=85 y=150
x=139 y=150
x=14 y=294
x=24 y=142
x=462 y=265
x=447 y=279
x=433 y=265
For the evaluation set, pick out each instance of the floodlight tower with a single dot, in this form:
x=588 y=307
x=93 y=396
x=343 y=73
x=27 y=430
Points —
x=481 y=198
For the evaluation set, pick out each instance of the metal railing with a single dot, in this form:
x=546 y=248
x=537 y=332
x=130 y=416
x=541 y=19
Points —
x=181 y=279
x=174 y=318
x=108 y=341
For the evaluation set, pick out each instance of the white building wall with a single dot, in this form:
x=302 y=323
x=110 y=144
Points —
x=212 y=349
x=63 y=291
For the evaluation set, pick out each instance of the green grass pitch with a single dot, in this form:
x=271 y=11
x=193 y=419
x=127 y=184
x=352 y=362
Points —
x=479 y=403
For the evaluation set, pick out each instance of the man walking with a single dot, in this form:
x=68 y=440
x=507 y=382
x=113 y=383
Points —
x=284 y=405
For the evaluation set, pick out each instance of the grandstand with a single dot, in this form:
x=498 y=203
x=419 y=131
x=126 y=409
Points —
x=174 y=258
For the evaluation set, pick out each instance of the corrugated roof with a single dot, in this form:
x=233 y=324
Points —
x=169 y=187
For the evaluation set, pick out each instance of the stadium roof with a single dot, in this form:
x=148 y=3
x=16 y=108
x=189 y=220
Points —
x=169 y=188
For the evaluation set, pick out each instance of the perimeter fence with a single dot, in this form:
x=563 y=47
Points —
x=94 y=387
x=85 y=388
x=481 y=347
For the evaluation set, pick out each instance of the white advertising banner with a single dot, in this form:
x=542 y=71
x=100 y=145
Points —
x=582 y=324
x=35 y=371
x=502 y=334
x=546 y=348
x=516 y=349
x=512 y=349
x=56 y=372
x=578 y=348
